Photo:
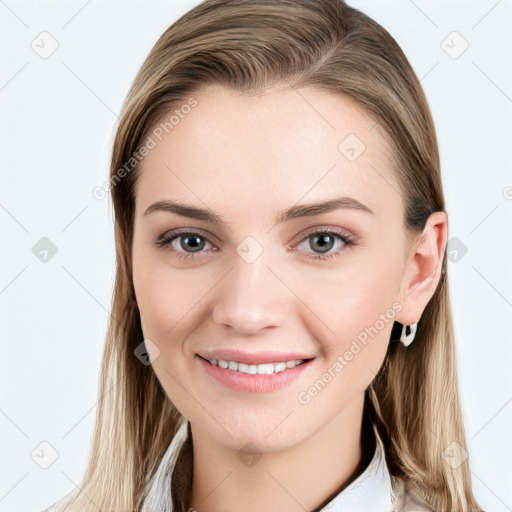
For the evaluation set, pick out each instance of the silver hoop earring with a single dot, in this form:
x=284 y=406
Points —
x=405 y=338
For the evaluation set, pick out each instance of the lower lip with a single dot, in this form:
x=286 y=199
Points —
x=254 y=383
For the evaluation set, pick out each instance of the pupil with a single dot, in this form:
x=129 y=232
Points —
x=194 y=242
x=323 y=242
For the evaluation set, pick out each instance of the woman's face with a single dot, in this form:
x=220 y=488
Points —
x=252 y=275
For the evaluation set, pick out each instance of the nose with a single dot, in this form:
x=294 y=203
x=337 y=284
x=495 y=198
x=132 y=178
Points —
x=252 y=297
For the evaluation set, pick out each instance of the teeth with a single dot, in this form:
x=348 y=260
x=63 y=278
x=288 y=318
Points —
x=260 y=369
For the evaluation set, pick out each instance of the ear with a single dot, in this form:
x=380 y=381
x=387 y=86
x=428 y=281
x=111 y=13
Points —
x=423 y=268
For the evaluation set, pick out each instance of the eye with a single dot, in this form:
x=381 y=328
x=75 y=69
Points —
x=324 y=240
x=185 y=244
x=193 y=244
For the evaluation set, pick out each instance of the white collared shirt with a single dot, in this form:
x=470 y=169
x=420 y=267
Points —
x=371 y=491
x=374 y=490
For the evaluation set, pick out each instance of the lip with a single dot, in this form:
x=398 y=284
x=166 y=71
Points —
x=254 y=383
x=262 y=357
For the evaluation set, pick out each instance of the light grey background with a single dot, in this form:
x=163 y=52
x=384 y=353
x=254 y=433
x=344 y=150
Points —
x=58 y=113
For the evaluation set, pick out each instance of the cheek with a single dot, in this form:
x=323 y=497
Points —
x=356 y=311
x=350 y=299
x=169 y=302
x=357 y=318
x=165 y=296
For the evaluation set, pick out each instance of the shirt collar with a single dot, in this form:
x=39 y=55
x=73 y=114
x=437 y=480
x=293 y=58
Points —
x=371 y=490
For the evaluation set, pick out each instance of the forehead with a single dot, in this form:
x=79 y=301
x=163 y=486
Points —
x=274 y=149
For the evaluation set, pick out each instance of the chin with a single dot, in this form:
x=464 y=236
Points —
x=265 y=433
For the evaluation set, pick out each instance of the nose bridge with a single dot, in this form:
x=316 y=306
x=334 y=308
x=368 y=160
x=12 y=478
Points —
x=251 y=296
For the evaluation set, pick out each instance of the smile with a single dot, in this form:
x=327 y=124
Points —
x=260 y=369
x=254 y=378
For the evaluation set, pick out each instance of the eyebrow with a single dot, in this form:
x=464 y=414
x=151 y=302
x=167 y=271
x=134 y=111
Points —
x=297 y=211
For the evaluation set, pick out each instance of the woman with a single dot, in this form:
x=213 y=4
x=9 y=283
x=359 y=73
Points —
x=281 y=334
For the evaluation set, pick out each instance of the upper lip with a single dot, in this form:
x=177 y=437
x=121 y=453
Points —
x=262 y=357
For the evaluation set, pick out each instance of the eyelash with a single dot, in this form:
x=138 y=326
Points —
x=164 y=242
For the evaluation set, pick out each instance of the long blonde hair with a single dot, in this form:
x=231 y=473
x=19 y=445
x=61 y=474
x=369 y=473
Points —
x=249 y=46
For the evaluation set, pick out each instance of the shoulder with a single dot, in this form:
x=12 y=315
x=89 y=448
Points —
x=410 y=498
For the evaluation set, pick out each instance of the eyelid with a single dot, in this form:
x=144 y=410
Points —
x=345 y=236
x=174 y=233
x=164 y=241
x=334 y=230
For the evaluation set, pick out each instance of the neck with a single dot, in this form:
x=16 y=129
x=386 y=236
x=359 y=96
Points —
x=304 y=477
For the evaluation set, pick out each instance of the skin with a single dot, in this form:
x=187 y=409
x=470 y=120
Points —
x=248 y=158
